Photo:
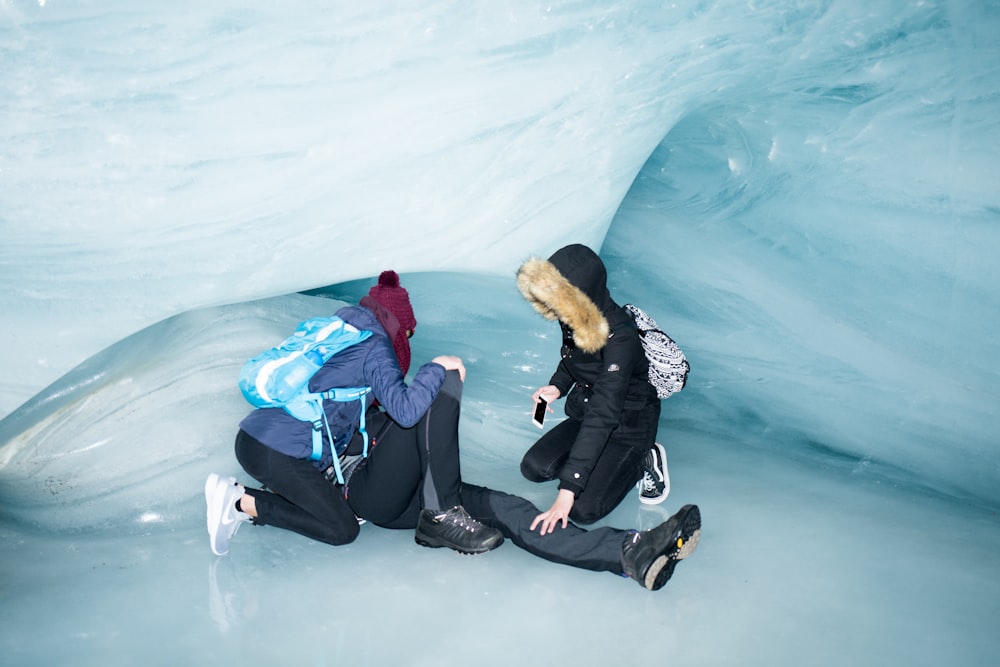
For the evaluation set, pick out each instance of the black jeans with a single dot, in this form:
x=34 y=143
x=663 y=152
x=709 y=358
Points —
x=300 y=498
x=598 y=549
x=617 y=469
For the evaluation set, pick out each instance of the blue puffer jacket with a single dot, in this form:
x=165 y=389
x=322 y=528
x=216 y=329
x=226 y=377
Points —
x=371 y=362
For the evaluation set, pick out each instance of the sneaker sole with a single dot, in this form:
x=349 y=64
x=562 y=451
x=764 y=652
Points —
x=653 y=500
x=468 y=552
x=662 y=568
x=214 y=503
x=210 y=484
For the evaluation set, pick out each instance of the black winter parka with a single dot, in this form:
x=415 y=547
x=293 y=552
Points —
x=603 y=369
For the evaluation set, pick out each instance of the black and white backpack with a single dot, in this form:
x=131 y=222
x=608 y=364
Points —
x=668 y=368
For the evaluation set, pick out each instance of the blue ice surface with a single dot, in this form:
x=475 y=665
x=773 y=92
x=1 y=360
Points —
x=805 y=197
x=807 y=556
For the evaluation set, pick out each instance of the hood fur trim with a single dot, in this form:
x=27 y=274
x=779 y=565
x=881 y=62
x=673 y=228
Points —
x=554 y=297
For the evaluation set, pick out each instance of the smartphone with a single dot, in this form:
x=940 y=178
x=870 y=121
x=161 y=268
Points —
x=539 y=415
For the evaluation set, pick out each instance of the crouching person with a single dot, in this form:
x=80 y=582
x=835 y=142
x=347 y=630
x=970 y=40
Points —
x=403 y=483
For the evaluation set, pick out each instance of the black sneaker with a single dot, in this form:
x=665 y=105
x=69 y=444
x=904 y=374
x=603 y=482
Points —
x=456 y=530
x=650 y=556
x=654 y=487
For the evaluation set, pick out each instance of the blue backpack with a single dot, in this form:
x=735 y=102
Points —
x=279 y=377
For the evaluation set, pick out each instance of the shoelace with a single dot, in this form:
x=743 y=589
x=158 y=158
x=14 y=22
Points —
x=459 y=517
x=648 y=483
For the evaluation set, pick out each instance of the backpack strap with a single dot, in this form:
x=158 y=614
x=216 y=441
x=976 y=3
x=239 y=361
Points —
x=341 y=395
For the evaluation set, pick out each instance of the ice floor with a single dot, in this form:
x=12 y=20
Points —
x=793 y=568
x=806 y=558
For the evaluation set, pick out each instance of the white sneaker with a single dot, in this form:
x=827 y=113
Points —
x=223 y=517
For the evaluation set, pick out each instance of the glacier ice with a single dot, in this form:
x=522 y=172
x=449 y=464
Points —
x=804 y=194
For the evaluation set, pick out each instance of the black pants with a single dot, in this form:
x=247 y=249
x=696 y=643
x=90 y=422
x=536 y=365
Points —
x=408 y=470
x=617 y=469
x=411 y=469
x=300 y=499
x=389 y=490
x=599 y=549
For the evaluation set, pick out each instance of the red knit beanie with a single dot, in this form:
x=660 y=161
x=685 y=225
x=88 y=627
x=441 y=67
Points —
x=395 y=299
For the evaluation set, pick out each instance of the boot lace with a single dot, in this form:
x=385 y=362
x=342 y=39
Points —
x=459 y=517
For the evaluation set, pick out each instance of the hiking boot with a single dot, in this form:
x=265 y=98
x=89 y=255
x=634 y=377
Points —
x=223 y=517
x=654 y=487
x=650 y=556
x=456 y=530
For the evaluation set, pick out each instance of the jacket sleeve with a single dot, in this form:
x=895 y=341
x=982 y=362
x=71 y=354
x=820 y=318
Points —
x=562 y=379
x=405 y=404
x=603 y=413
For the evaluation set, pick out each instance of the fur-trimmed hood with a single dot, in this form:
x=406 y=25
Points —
x=570 y=286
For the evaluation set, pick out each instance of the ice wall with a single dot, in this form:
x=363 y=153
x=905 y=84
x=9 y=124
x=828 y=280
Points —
x=816 y=219
x=824 y=232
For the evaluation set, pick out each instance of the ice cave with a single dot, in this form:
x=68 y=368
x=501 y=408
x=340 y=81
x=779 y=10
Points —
x=805 y=194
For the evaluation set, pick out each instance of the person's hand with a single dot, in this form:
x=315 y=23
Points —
x=451 y=364
x=558 y=513
x=548 y=393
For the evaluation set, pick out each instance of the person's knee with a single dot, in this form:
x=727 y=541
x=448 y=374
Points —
x=585 y=513
x=345 y=536
x=452 y=386
x=533 y=472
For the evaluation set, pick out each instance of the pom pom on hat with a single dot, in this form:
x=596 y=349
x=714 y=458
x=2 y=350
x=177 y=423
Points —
x=388 y=279
x=394 y=298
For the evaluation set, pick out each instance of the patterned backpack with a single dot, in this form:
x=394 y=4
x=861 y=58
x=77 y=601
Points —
x=668 y=368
